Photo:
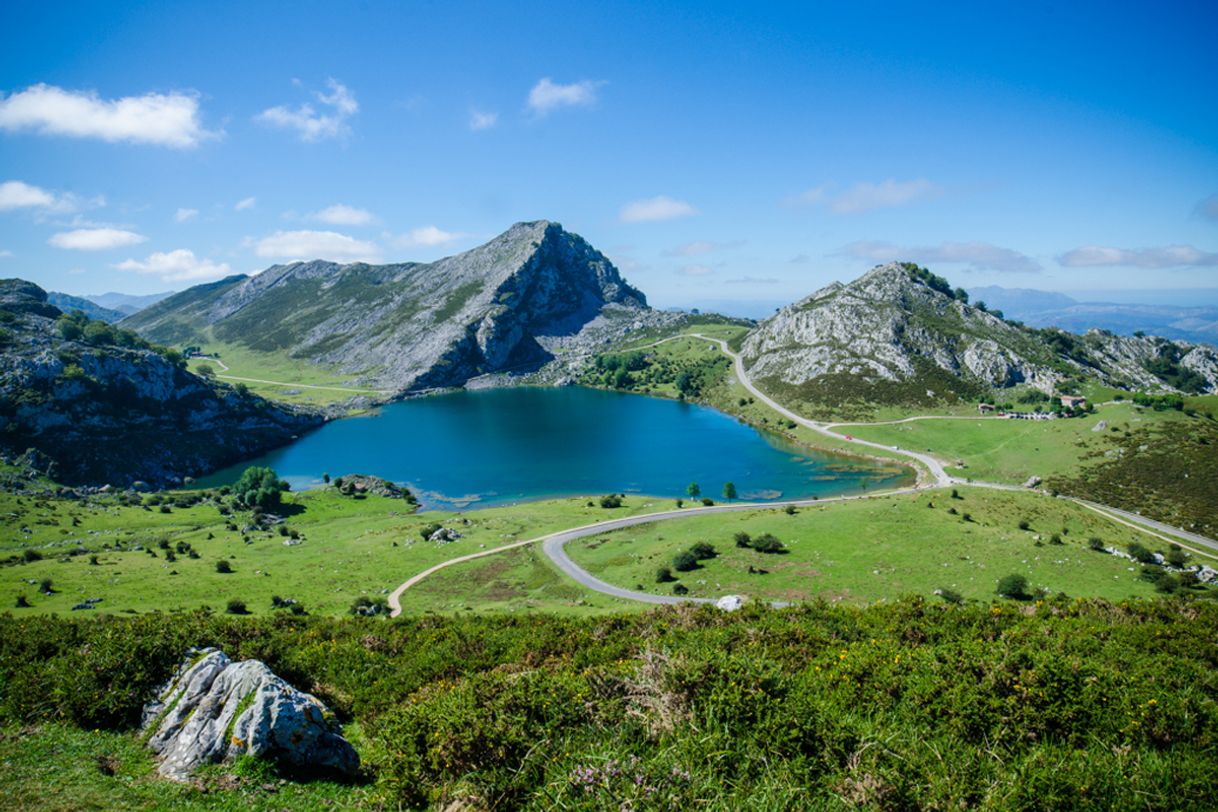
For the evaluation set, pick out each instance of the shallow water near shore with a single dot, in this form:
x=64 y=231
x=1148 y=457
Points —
x=498 y=446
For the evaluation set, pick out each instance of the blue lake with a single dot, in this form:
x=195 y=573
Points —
x=491 y=447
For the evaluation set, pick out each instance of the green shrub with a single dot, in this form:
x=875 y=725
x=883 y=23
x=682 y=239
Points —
x=236 y=607
x=1097 y=544
x=223 y=567
x=1055 y=539
x=1140 y=553
x=742 y=539
x=684 y=561
x=259 y=487
x=1024 y=524
x=664 y=575
x=703 y=551
x=612 y=500
x=1013 y=586
x=680 y=589
x=768 y=543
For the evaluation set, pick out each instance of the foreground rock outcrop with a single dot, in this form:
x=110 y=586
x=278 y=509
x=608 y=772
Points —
x=214 y=710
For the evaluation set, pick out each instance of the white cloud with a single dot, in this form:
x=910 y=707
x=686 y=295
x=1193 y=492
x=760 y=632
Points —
x=15 y=194
x=546 y=95
x=95 y=239
x=164 y=119
x=655 y=208
x=342 y=215
x=867 y=196
x=317 y=245
x=695 y=270
x=177 y=266
x=479 y=120
x=1208 y=208
x=186 y=214
x=312 y=125
x=979 y=256
x=1169 y=256
x=427 y=236
x=245 y=203
x=5 y=254
x=700 y=247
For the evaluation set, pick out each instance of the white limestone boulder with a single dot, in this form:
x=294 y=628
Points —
x=214 y=710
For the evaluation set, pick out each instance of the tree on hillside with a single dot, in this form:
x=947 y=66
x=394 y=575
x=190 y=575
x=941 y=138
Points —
x=694 y=490
x=259 y=487
x=729 y=490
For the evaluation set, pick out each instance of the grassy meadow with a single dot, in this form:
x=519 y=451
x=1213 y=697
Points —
x=348 y=548
x=866 y=550
x=302 y=382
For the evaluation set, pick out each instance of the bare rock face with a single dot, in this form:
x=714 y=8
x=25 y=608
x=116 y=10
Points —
x=888 y=325
x=214 y=710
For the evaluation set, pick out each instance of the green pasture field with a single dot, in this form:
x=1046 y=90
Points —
x=350 y=548
x=866 y=550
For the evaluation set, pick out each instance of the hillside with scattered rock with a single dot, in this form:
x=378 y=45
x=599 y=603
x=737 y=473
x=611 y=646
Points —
x=104 y=406
x=901 y=335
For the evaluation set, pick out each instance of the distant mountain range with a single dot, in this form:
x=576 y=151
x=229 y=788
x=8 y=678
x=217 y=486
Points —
x=125 y=302
x=511 y=303
x=67 y=303
x=1040 y=308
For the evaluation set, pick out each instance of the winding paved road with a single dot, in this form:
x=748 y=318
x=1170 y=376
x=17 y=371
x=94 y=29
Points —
x=553 y=545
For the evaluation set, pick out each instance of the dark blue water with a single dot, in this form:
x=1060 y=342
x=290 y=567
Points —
x=508 y=445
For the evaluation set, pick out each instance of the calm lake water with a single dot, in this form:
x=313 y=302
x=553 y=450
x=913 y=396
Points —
x=490 y=447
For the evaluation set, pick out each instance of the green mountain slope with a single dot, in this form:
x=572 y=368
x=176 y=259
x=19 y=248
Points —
x=506 y=304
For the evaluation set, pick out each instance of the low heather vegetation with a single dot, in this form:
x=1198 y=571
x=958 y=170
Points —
x=913 y=704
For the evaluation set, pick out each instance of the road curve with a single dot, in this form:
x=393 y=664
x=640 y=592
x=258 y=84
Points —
x=553 y=546
x=935 y=468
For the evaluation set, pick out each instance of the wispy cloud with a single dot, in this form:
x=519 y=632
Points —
x=177 y=266
x=978 y=256
x=548 y=95
x=655 y=208
x=1208 y=208
x=426 y=237
x=163 y=119
x=343 y=215
x=481 y=120
x=695 y=270
x=866 y=196
x=184 y=215
x=317 y=245
x=5 y=254
x=1169 y=256
x=245 y=203
x=308 y=122
x=95 y=239
x=700 y=247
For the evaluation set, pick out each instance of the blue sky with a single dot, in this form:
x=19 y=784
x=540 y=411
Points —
x=719 y=154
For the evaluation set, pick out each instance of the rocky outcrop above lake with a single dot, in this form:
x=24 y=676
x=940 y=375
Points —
x=214 y=710
x=904 y=332
x=105 y=407
x=510 y=304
